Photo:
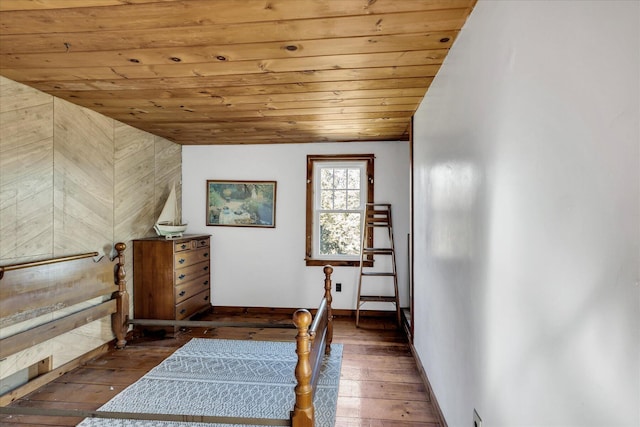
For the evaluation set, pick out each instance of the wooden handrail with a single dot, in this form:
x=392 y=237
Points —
x=22 y=265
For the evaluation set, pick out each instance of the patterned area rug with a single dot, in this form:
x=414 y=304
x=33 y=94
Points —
x=229 y=378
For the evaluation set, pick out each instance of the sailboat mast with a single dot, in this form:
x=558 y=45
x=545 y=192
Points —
x=176 y=218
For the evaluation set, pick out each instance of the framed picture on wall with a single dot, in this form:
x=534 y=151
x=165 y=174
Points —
x=241 y=203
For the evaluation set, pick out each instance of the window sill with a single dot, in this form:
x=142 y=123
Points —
x=336 y=263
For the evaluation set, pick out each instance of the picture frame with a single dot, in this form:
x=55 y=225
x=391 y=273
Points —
x=241 y=203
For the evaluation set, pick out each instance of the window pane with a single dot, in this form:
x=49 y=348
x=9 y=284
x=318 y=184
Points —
x=340 y=178
x=339 y=233
x=340 y=199
x=354 y=178
x=326 y=178
x=326 y=199
x=353 y=199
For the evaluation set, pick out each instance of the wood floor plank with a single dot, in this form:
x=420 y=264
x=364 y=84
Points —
x=374 y=360
x=378 y=349
x=368 y=422
x=131 y=358
x=114 y=377
x=94 y=394
x=24 y=420
x=385 y=409
x=366 y=373
x=382 y=390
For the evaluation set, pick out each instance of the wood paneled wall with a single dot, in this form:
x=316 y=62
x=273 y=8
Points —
x=26 y=172
x=73 y=181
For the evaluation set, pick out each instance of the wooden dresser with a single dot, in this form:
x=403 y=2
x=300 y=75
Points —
x=171 y=278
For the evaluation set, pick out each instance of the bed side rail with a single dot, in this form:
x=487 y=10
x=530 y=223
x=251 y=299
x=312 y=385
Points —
x=312 y=342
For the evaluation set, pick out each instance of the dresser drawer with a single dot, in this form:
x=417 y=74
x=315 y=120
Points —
x=186 y=274
x=189 y=289
x=187 y=258
x=192 y=305
x=191 y=244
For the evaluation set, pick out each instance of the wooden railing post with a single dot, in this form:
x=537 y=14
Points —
x=328 y=270
x=302 y=414
x=120 y=319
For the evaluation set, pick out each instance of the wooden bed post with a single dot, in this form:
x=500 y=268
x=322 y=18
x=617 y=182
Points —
x=328 y=270
x=302 y=414
x=120 y=319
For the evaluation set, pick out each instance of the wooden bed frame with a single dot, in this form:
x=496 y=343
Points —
x=32 y=289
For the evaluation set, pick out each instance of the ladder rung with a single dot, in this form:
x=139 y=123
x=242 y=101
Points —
x=380 y=251
x=376 y=219
x=377 y=298
x=377 y=273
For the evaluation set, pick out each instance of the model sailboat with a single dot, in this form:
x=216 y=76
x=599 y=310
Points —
x=169 y=223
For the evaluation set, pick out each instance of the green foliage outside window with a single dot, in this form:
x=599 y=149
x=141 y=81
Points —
x=339 y=233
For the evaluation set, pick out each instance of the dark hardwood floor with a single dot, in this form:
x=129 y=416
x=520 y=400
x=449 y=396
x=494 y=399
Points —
x=380 y=385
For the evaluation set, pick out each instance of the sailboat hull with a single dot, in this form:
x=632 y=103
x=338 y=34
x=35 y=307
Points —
x=170 y=230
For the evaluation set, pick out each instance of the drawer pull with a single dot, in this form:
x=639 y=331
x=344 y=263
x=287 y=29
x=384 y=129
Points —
x=181 y=261
x=182 y=276
x=203 y=243
x=183 y=246
x=183 y=311
x=205 y=268
x=206 y=254
x=181 y=294
x=206 y=298
x=205 y=283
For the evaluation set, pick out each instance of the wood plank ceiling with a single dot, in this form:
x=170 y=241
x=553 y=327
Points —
x=236 y=71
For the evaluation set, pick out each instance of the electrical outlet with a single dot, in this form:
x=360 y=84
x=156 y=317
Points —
x=338 y=287
x=477 y=421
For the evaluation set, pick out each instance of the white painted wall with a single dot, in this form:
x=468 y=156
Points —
x=527 y=186
x=265 y=267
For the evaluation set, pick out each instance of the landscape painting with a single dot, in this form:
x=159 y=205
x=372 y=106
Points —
x=241 y=203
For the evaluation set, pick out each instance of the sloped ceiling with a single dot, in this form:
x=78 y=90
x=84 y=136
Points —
x=236 y=71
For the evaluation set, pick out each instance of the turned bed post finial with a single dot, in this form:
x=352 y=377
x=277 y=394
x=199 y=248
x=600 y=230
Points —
x=302 y=414
x=120 y=319
x=328 y=270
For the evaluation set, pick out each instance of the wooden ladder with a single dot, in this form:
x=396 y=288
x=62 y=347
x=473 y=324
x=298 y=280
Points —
x=377 y=215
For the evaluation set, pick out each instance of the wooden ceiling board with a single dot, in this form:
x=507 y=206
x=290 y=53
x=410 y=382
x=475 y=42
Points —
x=143 y=71
x=236 y=71
x=233 y=52
x=292 y=90
x=253 y=83
x=184 y=13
